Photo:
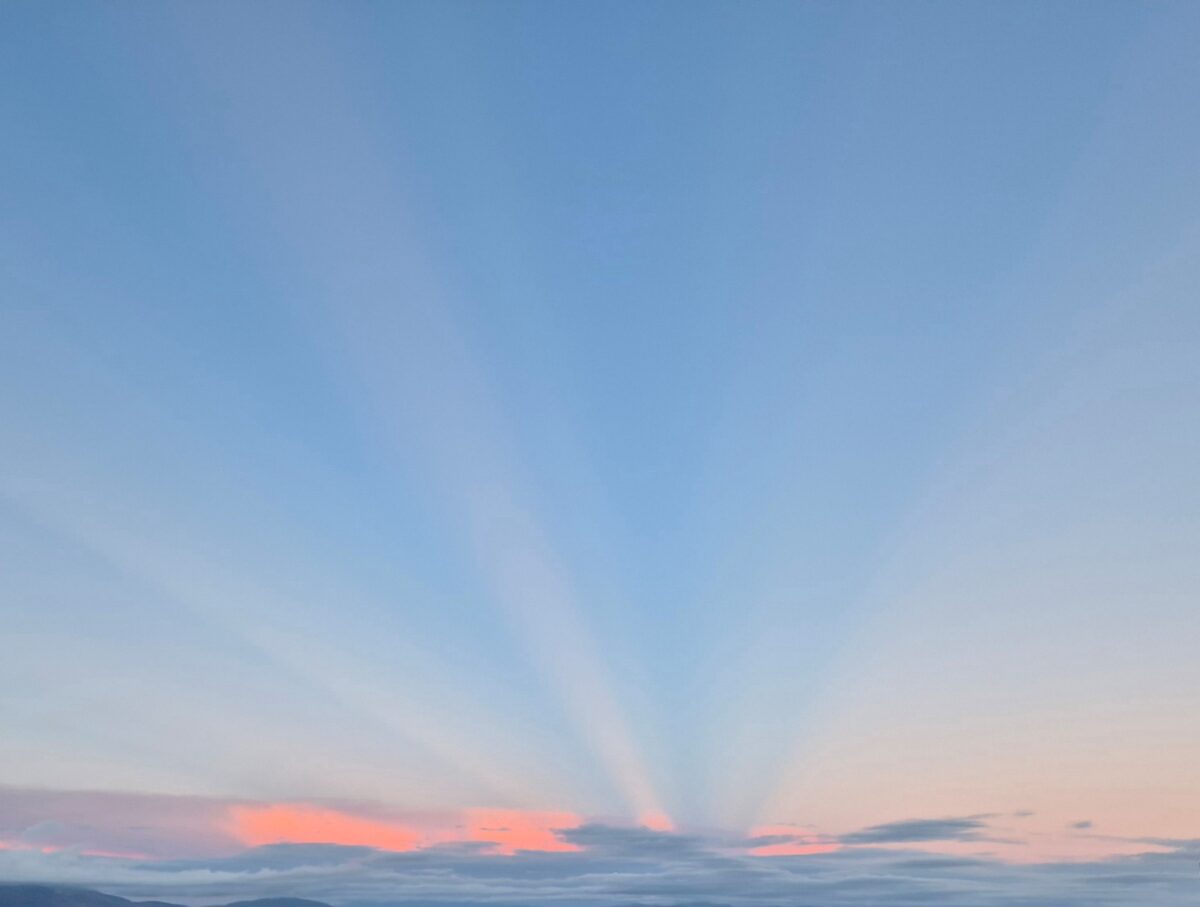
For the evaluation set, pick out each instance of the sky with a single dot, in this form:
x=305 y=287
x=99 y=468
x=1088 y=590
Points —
x=596 y=453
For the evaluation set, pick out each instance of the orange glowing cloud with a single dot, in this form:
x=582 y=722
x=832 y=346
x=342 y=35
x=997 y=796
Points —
x=300 y=824
x=801 y=843
x=511 y=830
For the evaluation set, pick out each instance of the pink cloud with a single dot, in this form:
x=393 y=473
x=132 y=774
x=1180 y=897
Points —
x=283 y=823
x=657 y=821
x=801 y=842
x=511 y=830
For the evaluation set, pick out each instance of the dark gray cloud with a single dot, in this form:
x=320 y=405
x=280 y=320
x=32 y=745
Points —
x=1082 y=824
x=633 y=867
x=913 y=831
x=611 y=839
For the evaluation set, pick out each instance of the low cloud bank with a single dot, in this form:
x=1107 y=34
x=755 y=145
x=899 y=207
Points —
x=637 y=866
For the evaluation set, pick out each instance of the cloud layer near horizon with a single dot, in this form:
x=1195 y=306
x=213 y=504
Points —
x=158 y=826
x=592 y=863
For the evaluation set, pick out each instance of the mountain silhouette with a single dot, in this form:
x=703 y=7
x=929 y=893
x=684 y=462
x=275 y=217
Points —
x=66 y=896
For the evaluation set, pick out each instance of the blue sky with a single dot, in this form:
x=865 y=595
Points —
x=705 y=415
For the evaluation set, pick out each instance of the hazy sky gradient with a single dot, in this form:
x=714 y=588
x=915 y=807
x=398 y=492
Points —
x=716 y=416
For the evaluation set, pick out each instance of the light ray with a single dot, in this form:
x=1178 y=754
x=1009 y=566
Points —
x=384 y=316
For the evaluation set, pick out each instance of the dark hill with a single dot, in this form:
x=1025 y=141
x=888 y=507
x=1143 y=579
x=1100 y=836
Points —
x=64 y=896
x=55 y=896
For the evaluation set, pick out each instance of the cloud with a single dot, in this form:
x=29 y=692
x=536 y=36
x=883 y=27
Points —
x=787 y=840
x=510 y=831
x=637 y=867
x=1081 y=825
x=149 y=825
x=611 y=839
x=912 y=831
x=164 y=827
x=187 y=850
x=306 y=824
